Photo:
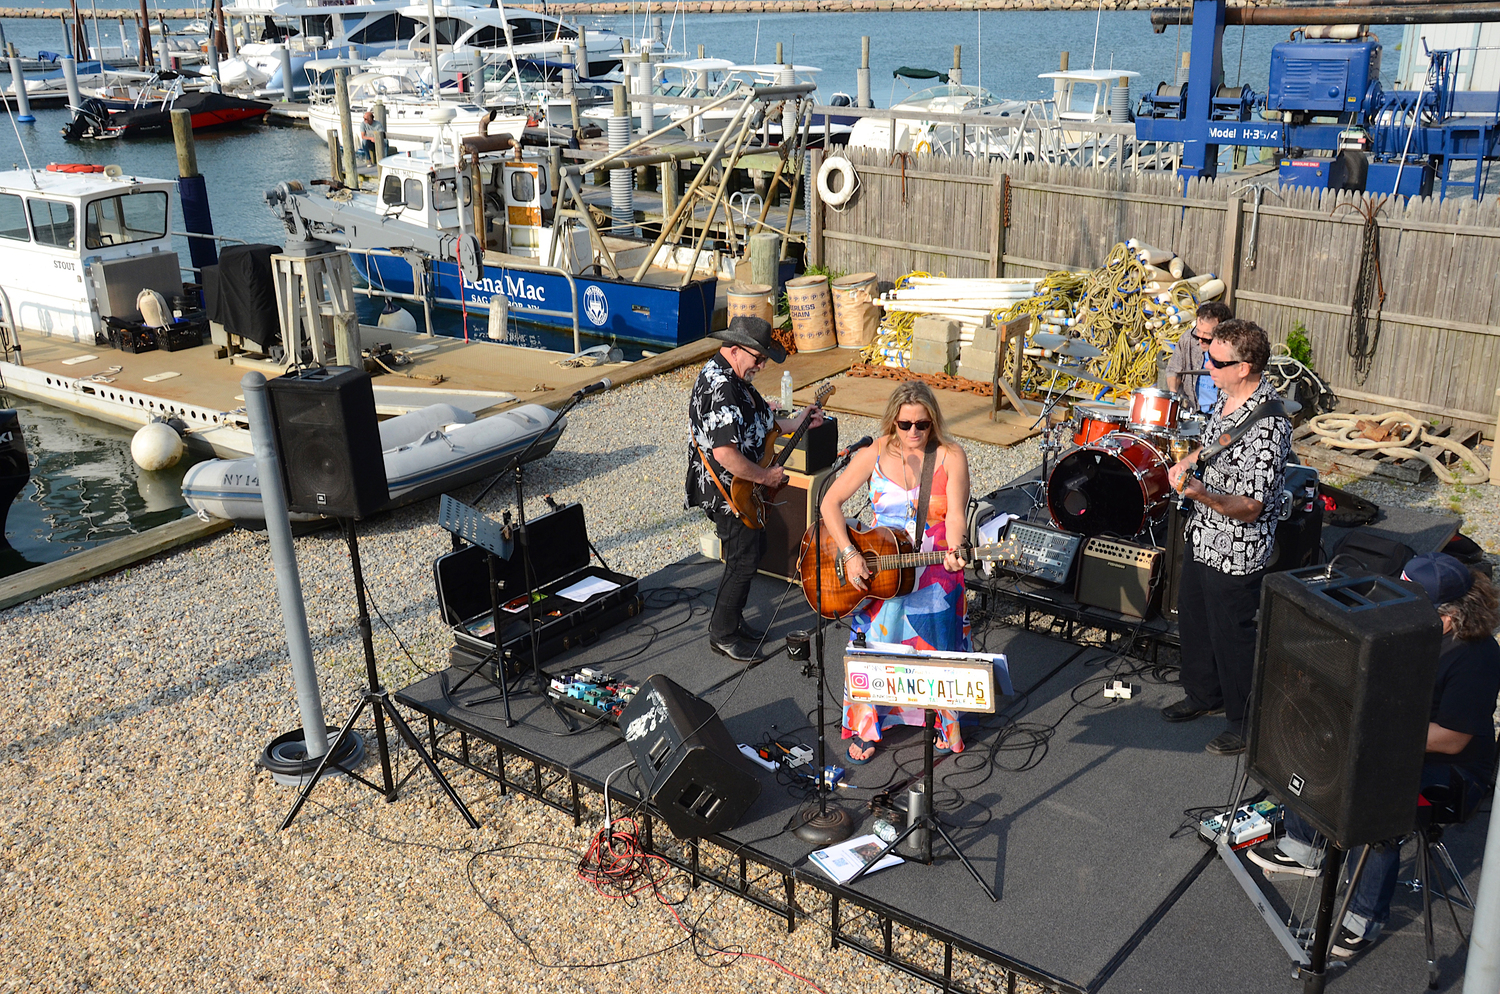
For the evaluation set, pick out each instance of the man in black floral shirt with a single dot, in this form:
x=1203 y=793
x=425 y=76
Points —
x=730 y=422
x=1229 y=537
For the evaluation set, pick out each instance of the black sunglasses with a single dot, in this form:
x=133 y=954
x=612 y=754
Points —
x=1220 y=365
x=922 y=425
x=759 y=359
x=1204 y=341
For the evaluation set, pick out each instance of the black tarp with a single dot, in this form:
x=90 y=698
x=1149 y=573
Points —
x=240 y=293
x=907 y=72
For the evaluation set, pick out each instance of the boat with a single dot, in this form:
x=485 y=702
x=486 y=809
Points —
x=15 y=468
x=913 y=133
x=146 y=109
x=549 y=273
x=426 y=452
x=409 y=104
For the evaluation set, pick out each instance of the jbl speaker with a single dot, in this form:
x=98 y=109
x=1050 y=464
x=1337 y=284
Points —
x=329 y=442
x=1339 y=705
x=695 y=776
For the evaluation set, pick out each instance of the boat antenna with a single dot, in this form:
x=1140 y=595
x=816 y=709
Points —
x=1098 y=16
x=979 y=43
x=432 y=51
x=756 y=56
x=11 y=113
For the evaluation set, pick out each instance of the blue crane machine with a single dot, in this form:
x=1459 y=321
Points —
x=1325 y=113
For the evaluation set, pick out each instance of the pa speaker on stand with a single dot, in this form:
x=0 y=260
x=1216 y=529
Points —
x=329 y=439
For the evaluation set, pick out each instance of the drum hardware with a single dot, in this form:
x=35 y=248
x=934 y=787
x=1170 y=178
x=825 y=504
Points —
x=1076 y=372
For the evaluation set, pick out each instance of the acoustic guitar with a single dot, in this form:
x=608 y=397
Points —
x=888 y=556
x=747 y=499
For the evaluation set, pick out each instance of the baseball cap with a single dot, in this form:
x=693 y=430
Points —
x=1443 y=577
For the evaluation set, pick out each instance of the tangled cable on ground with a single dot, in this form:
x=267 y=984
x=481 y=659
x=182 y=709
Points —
x=1353 y=431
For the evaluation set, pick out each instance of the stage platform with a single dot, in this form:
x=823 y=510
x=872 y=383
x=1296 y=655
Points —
x=1070 y=806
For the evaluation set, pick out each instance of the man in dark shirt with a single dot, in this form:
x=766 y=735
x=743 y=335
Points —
x=730 y=422
x=1229 y=538
x=1187 y=359
x=1460 y=742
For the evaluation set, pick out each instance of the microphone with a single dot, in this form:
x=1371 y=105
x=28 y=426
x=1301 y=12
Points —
x=847 y=454
x=599 y=387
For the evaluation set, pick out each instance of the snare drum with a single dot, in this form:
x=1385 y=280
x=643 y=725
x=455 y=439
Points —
x=1153 y=410
x=1094 y=421
x=1116 y=486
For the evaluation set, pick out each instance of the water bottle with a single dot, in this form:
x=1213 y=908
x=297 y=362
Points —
x=786 y=390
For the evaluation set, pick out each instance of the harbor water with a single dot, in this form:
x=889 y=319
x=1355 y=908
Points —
x=85 y=488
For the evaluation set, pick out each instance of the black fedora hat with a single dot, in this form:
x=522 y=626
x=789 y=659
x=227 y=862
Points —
x=752 y=333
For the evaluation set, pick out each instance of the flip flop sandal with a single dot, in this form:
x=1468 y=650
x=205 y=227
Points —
x=855 y=742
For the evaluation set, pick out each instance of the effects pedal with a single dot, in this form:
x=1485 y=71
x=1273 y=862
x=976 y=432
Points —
x=1251 y=824
x=592 y=693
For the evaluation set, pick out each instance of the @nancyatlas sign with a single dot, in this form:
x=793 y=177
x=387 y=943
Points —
x=897 y=675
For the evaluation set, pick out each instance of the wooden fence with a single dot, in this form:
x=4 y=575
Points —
x=1294 y=259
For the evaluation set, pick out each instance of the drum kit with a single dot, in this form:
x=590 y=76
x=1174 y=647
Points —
x=1115 y=481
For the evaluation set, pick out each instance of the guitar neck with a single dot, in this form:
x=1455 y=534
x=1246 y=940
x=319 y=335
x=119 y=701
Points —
x=796 y=436
x=910 y=560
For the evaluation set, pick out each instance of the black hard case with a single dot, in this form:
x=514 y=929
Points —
x=559 y=559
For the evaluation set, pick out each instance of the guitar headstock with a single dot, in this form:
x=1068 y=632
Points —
x=823 y=393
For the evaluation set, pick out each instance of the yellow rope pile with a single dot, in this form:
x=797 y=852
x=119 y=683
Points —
x=1364 y=433
x=1111 y=309
x=894 y=335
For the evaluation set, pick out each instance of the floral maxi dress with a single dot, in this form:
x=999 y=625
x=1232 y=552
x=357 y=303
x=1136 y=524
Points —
x=933 y=616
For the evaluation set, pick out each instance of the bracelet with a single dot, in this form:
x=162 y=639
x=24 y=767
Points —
x=847 y=553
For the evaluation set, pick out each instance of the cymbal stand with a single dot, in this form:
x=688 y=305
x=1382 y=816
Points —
x=1051 y=445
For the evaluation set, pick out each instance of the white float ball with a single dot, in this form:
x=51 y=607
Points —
x=156 y=446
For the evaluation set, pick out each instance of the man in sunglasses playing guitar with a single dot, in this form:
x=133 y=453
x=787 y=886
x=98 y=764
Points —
x=1235 y=485
x=730 y=422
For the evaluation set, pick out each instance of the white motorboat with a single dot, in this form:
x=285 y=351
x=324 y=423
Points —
x=426 y=452
x=410 y=118
x=914 y=133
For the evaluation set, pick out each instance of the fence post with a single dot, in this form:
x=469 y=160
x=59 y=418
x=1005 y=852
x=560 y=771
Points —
x=816 y=205
x=1229 y=249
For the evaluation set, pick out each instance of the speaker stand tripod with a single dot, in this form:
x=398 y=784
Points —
x=926 y=822
x=378 y=699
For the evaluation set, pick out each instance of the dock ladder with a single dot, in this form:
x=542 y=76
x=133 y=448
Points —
x=315 y=304
x=10 y=342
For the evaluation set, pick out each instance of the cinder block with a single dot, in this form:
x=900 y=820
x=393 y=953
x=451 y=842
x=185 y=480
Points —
x=941 y=353
x=918 y=366
x=978 y=358
x=931 y=329
x=985 y=337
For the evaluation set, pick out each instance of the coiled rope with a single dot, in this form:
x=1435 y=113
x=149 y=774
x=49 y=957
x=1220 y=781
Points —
x=1346 y=431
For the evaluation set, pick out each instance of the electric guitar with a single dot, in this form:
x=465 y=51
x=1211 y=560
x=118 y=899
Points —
x=748 y=499
x=888 y=556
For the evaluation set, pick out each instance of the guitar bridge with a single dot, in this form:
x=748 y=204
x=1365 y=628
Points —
x=838 y=570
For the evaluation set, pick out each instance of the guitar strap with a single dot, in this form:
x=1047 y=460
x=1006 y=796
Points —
x=714 y=476
x=929 y=464
x=1207 y=455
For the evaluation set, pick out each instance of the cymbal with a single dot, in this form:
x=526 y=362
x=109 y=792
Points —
x=1079 y=349
x=1048 y=340
x=1076 y=372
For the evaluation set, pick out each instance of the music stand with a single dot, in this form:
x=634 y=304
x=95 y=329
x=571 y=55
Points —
x=894 y=693
x=472 y=526
x=378 y=699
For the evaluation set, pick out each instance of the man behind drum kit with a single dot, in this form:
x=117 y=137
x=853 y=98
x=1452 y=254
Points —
x=1199 y=390
x=1228 y=539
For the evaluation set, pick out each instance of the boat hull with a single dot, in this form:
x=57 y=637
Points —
x=646 y=313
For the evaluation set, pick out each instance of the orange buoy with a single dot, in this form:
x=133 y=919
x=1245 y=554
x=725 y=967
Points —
x=73 y=167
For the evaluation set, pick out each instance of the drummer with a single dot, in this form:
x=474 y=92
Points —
x=1199 y=390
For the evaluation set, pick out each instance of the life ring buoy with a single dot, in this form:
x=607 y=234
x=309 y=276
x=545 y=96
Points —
x=73 y=167
x=845 y=168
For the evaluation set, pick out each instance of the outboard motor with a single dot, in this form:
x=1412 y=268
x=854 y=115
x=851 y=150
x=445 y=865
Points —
x=15 y=470
x=89 y=121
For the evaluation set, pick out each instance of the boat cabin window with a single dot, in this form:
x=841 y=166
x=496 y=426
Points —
x=13 y=218
x=448 y=28
x=489 y=36
x=443 y=197
x=382 y=29
x=411 y=192
x=317 y=26
x=529 y=30
x=133 y=217
x=390 y=191
x=522 y=187
x=54 y=222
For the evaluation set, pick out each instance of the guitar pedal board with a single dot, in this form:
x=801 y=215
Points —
x=1036 y=552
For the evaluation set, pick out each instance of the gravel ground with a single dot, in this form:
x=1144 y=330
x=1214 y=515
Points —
x=141 y=850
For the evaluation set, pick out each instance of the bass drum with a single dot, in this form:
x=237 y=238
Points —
x=1117 y=486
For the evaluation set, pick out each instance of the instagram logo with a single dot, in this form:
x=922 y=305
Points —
x=859 y=681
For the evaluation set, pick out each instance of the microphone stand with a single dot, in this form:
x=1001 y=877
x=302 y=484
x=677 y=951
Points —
x=822 y=824
x=519 y=535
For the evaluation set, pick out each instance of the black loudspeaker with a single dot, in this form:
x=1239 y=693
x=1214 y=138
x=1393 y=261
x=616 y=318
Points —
x=1299 y=533
x=329 y=442
x=696 y=778
x=1344 y=668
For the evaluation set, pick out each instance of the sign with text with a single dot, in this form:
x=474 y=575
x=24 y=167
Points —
x=947 y=681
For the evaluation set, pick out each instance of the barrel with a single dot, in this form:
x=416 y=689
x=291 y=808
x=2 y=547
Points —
x=752 y=300
x=856 y=318
x=812 y=313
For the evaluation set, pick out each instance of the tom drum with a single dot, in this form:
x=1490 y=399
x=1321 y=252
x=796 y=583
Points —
x=1115 y=486
x=1154 y=411
x=1094 y=421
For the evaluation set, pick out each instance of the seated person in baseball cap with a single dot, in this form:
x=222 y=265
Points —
x=1460 y=742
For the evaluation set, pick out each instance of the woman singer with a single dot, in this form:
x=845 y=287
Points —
x=933 y=616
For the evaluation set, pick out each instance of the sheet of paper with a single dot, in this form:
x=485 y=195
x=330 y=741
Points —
x=77 y=359
x=588 y=588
